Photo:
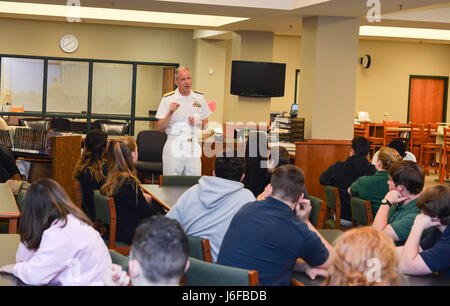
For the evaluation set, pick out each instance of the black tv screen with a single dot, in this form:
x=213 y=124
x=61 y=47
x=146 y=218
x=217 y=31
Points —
x=257 y=79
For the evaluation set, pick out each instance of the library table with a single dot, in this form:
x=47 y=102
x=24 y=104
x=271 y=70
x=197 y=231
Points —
x=8 y=207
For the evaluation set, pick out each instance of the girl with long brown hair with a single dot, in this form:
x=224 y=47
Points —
x=58 y=245
x=91 y=169
x=132 y=204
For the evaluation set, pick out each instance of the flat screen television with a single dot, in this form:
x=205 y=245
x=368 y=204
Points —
x=257 y=79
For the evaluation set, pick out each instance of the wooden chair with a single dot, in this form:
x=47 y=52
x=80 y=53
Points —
x=376 y=143
x=318 y=211
x=445 y=169
x=361 y=212
x=361 y=129
x=389 y=135
x=178 y=180
x=105 y=209
x=420 y=141
x=202 y=273
x=333 y=207
x=200 y=248
x=77 y=193
x=21 y=194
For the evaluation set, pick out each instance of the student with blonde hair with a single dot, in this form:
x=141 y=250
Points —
x=132 y=204
x=364 y=256
x=375 y=187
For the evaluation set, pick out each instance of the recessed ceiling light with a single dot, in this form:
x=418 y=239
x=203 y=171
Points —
x=83 y=12
x=400 y=32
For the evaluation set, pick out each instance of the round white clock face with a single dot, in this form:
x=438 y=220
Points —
x=69 y=43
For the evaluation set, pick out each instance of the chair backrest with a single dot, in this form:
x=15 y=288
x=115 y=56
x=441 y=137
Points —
x=38 y=124
x=150 y=145
x=388 y=134
x=331 y=196
x=200 y=248
x=446 y=139
x=178 y=180
x=78 y=193
x=119 y=259
x=361 y=211
x=21 y=194
x=202 y=273
x=361 y=129
x=115 y=128
x=318 y=211
x=60 y=124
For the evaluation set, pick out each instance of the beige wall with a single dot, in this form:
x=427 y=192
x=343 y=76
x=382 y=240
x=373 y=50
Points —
x=286 y=49
x=211 y=54
x=41 y=38
x=384 y=87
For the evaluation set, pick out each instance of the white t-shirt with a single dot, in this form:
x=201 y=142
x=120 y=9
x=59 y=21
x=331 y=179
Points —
x=192 y=105
x=408 y=156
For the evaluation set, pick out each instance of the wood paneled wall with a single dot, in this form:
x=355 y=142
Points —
x=314 y=156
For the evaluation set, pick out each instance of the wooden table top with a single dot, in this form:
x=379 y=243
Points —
x=8 y=205
x=9 y=244
x=167 y=196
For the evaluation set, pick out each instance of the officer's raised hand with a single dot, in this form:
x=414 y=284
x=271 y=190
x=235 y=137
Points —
x=173 y=107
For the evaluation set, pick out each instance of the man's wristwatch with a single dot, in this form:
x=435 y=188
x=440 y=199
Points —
x=386 y=202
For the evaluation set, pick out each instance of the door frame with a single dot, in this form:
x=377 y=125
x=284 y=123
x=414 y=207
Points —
x=444 y=103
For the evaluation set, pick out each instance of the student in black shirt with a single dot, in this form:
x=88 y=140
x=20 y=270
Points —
x=343 y=174
x=132 y=204
x=91 y=169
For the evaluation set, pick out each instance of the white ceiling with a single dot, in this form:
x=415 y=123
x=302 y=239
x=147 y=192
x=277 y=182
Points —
x=279 y=16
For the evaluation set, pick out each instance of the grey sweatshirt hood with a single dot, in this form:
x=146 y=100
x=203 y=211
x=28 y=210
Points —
x=212 y=189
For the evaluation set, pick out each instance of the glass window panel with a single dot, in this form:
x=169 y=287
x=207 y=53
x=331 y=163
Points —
x=151 y=83
x=21 y=83
x=111 y=88
x=67 y=86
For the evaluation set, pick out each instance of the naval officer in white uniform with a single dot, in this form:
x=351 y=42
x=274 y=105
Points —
x=182 y=115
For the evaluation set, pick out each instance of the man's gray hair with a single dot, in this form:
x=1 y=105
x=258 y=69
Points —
x=181 y=68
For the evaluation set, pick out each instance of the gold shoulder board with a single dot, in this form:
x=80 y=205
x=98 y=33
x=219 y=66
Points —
x=169 y=93
x=199 y=92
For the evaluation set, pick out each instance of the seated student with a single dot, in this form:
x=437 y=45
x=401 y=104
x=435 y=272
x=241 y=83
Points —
x=343 y=174
x=269 y=236
x=91 y=169
x=257 y=175
x=58 y=245
x=400 y=146
x=364 y=256
x=375 y=187
x=9 y=173
x=406 y=181
x=432 y=254
x=132 y=204
x=283 y=159
x=159 y=255
x=206 y=209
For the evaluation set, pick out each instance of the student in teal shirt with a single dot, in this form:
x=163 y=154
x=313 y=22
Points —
x=374 y=187
x=398 y=209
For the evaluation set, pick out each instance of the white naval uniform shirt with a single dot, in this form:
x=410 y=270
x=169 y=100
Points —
x=189 y=105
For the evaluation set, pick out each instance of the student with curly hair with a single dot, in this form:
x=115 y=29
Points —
x=91 y=169
x=364 y=256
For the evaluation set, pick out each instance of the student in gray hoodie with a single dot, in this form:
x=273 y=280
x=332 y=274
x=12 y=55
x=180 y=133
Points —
x=205 y=210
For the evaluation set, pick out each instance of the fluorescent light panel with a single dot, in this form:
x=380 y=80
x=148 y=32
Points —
x=115 y=14
x=416 y=33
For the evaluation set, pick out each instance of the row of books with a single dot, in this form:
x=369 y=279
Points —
x=27 y=140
